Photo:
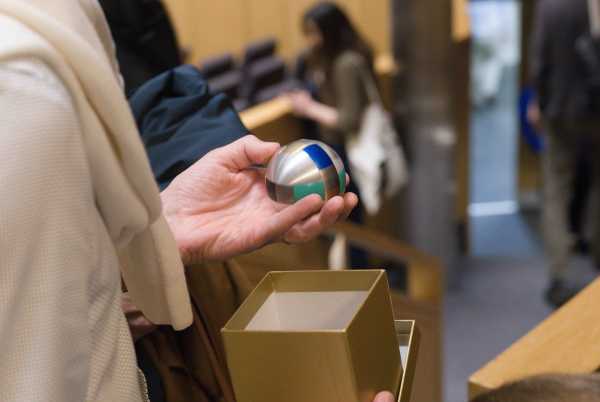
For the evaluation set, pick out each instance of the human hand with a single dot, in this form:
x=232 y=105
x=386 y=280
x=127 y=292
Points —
x=219 y=208
x=138 y=324
x=301 y=102
x=384 y=397
x=534 y=116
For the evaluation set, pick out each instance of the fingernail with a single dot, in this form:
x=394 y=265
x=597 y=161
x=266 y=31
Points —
x=384 y=397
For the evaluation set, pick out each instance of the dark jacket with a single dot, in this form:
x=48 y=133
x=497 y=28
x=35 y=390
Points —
x=180 y=121
x=144 y=37
x=557 y=72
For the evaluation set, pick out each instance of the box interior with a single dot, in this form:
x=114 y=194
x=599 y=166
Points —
x=307 y=311
x=313 y=300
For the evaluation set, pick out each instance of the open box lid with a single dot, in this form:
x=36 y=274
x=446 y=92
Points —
x=307 y=301
x=336 y=327
x=409 y=341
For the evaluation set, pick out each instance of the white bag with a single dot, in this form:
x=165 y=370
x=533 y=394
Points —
x=376 y=147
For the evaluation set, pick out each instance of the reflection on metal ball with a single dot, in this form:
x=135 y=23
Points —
x=303 y=168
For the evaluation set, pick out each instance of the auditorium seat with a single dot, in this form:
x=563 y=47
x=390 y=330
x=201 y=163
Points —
x=258 y=50
x=224 y=76
x=265 y=73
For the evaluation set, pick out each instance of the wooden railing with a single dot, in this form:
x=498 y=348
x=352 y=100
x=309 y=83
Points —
x=425 y=276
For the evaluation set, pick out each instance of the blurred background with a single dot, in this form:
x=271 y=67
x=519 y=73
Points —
x=462 y=240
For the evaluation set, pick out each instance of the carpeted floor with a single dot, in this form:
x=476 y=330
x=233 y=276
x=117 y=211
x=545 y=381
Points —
x=497 y=300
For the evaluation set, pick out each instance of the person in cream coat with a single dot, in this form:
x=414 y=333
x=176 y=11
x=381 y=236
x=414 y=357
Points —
x=80 y=210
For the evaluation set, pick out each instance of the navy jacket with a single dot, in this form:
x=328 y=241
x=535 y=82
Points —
x=180 y=121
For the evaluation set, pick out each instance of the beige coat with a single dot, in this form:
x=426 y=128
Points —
x=77 y=196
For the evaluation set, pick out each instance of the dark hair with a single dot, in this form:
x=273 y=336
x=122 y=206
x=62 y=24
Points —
x=548 y=388
x=338 y=32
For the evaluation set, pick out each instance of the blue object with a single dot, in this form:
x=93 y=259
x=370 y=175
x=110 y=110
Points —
x=319 y=156
x=532 y=137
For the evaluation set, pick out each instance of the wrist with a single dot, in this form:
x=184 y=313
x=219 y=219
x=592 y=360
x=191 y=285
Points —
x=173 y=219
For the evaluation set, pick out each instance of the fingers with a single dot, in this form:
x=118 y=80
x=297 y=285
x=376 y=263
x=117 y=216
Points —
x=246 y=152
x=384 y=397
x=283 y=221
x=334 y=210
x=314 y=225
x=350 y=202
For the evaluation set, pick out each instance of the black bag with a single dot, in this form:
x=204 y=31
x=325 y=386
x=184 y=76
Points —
x=587 y=48
x=144 y=37
x=588 y=51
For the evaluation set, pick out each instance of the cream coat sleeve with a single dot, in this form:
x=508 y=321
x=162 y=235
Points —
x=47 y=246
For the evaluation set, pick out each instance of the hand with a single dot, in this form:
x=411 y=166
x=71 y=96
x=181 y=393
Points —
x=138 y=324
x=305 y=106
x=384 y=397
x=219 y=208
x=301 y=102
x=534 y=116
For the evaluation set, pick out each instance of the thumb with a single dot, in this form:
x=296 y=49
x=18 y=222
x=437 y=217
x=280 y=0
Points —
x=384 y=397
x=246 y=152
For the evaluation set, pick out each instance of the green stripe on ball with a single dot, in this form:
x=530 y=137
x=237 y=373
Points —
x=304 y=190
x=342 y=177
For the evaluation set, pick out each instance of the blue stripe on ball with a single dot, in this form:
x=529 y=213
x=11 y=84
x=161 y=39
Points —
x=319 y=156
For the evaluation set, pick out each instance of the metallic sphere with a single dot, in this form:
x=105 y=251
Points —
x=303 y=168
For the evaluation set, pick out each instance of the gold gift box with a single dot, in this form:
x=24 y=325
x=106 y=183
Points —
x=409 y=339
x=317 y=336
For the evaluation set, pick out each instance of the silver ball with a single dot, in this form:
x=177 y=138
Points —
x=302 y=168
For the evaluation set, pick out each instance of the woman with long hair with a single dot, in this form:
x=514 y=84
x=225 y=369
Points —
x=339 y=61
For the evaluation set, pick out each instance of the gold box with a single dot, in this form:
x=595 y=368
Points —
x=317 y=336
x=409 y=339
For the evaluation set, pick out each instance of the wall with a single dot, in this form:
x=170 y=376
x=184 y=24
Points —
x=209 y=28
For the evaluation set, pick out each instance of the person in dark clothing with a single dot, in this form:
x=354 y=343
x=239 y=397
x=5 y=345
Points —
x=566 y=109
x=578 y=205
x=144 y=37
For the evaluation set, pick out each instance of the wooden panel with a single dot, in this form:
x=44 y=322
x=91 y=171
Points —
x=182 y=17
x=209 y=28
x=374 y=19
x=220 y=26
x=268 y=18
x=567 y=342
x=296 y=11
x=461 y=24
